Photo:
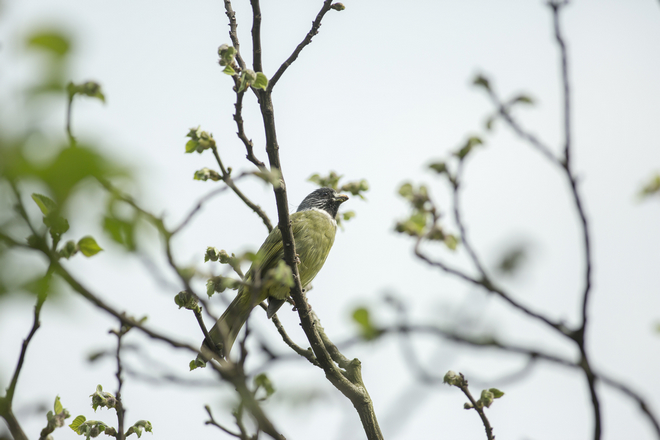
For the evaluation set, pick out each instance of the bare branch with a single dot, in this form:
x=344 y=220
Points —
x=226 y=177
x=256 y=36
x=316 y=24
x=233 y=35
x=6 y=410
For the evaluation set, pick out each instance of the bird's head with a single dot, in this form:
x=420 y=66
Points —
x=325 y=199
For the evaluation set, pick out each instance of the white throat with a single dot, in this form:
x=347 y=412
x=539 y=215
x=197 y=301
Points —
x=322 y=211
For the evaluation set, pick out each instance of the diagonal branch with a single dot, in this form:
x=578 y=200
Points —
x=6 y=402
x=226 y=177
x=316 y=24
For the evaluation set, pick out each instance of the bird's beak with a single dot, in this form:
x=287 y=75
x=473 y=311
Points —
x=341 y=198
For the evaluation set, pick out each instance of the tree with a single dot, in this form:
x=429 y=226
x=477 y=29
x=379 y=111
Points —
x=124 y=220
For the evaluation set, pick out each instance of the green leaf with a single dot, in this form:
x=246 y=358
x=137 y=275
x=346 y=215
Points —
x=467 y=147
x=58 y=225
x=51 y=41
x=191 y=146
x=58 y=405
x=75 y=425
x=651 y=187
x=261 y=82
x=46 y=204
x=187 y=300
x=362 y=317
x=347 y=215
x=451 y=241
x=88 y=246
x=496 y=393
x=329 y=181
x=262 y=381
x=522 y=99
x=229 y=71
x=439 y=167
x=196 y=363
x=121 y=231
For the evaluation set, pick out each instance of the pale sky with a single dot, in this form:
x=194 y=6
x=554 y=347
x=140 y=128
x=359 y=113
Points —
x=383 y=89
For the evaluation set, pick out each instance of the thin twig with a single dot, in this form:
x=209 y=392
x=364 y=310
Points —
x=233 y=35
x=478 y=407
x=6 y=402
x=307 y=354
x=249 y=146
x=120 y=382
x=226 y=177
x=212 y=421
x=489 y=286
x=316 y=24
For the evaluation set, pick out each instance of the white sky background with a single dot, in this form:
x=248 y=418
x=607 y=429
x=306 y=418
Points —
x=383 y=89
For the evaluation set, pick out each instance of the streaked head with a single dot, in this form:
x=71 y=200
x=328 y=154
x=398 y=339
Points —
x=325 y=199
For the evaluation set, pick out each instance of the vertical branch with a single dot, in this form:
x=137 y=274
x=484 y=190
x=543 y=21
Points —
x=256 y=36
x=119 y=406
x=233 y=35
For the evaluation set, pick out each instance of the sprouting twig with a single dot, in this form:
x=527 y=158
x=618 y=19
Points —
x=233 y=35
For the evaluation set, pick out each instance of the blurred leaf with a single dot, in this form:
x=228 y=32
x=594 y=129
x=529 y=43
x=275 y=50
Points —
x=329 y=181
x=205 y=173
x=481 y=81
x=362 y=317
x=51 y=41
x=46 y=204
x=652 y=187
x=467 y=147
x=522 y=99
x=439 y=167
x=88 y=246
x=89 y=88
x=121 y=231
x=451 y=241
x=69 y=249
x=262 y=381
x=512 y=259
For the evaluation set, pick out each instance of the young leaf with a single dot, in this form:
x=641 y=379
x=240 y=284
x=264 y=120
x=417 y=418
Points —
x=88 y=246
x=261 y=82
x=46 y=204
x=52 y=41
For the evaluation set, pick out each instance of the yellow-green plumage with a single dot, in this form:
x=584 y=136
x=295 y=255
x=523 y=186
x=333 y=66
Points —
x=314 y=229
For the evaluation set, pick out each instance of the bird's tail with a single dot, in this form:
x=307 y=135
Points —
x=229 y=324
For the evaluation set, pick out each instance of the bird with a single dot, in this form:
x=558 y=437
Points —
x=314 y=227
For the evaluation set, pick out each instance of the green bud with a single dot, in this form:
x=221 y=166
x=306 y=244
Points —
x=69 y=249
x=486 y=398
x=205 y=174
x=212 y=254
x=453 y=378
x=187 y=300
x=338 y=6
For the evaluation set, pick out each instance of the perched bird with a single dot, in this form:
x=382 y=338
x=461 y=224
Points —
x=314 y=227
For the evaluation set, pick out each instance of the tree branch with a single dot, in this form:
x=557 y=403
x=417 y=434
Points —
x=233 y=35
x=316 y=24
x=6 y=410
